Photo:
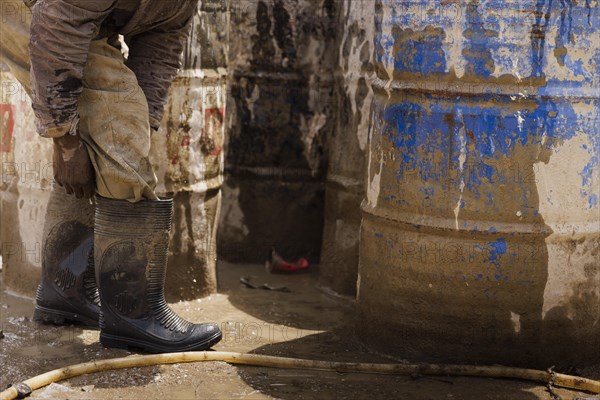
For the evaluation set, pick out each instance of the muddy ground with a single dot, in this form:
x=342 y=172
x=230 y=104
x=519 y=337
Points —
x=303 y=323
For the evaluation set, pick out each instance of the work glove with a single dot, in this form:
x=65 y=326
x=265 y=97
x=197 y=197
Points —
x=72 y=166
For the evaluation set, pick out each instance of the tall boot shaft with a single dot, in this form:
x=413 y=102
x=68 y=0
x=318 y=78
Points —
x=131 y=248
x=68 y=290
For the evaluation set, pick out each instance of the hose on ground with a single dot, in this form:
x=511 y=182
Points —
x=545 y=377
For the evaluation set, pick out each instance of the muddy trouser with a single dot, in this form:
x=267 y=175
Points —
x=113 y=110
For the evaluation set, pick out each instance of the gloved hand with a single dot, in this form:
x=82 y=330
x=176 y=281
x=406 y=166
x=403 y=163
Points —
x=72 y=166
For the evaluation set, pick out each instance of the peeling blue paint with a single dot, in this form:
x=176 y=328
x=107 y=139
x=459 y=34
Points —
x=493 y=252
x=418 y=45
x=577 y=67
x=477 y=50
x=492 y=133
x=425 y=49
x=497 y=249
x=593 y=200
x=538 y=38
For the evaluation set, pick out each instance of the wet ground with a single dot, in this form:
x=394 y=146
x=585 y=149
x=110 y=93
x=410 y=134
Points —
x=305 y=323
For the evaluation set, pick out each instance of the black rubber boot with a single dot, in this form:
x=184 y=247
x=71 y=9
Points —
x=68 y=292
x=131 y=244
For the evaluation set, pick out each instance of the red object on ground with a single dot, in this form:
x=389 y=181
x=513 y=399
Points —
x=277 y=264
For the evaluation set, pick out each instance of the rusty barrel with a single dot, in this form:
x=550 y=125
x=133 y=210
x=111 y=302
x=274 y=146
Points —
x=281 y=114
x=188 y=153
x=345 y=182
x=480 y=239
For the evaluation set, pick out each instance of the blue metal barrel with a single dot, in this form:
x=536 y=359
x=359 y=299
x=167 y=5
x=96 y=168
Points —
x=480 y=239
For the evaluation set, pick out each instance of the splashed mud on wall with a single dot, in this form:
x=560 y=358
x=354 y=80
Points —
x=280 y=116
x=485 y=117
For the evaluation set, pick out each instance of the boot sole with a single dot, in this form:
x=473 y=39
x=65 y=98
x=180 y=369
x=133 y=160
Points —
x=137 y=345
x=57 y=317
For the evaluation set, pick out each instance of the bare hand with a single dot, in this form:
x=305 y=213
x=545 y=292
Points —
x=72 y=166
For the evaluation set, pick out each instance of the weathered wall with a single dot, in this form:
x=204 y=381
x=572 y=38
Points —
x=26 y=161
x=280 y=115
x=481 y=227
x=188 y=154
x=347 y=147
x=25 y=188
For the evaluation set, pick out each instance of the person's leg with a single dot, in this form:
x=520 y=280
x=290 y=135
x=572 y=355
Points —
x=67 y=292
x=114 y=125
x=119 y=146
x=131 y=248
x=132 y=225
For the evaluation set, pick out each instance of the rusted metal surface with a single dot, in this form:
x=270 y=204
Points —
x=188 y=154
x=281 y=113
x=347 y=147
x=480 y=239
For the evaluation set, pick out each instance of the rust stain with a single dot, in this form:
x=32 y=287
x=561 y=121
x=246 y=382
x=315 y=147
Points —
x=185 y=141
x=7 y=124
x=210 y=137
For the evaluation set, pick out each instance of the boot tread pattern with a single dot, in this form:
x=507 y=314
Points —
x=124 y=302
x=156 y=297
x=65 y=279
x=90 y=286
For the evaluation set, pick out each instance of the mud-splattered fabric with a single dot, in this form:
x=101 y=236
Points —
x=115 y=104
x=61 y=33
x=114 y=125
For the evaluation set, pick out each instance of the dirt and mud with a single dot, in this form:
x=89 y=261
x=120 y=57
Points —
x=303 y=323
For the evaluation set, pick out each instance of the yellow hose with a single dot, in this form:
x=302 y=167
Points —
x=546 y=377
